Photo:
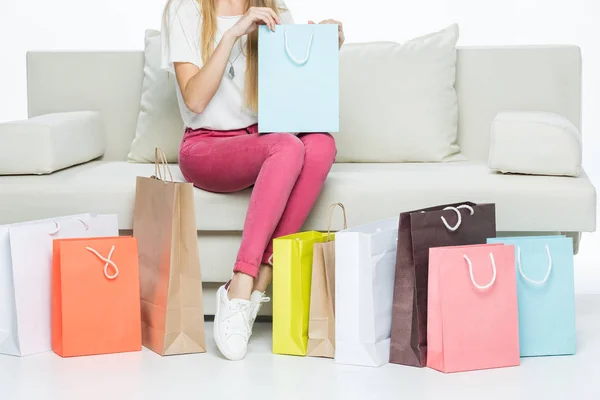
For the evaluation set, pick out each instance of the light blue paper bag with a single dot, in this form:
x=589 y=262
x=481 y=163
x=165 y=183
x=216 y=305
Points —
x=545 y=288
x=298 y=79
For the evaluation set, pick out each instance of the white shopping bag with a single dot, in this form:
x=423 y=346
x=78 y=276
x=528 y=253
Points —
x=25 y=277
x=365 y=264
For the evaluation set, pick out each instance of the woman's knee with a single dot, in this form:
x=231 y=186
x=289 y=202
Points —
x=290 y=147
x=320 y=146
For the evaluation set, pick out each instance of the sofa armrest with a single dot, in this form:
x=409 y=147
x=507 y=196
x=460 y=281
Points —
x=51 y=142
x=535 y=143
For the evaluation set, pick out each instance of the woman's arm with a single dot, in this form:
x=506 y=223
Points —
x=199 y=85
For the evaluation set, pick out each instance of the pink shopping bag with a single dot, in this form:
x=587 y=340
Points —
x=472 y=309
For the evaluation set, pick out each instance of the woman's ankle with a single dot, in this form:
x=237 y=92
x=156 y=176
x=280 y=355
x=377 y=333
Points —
x=240 y=286
x=264 y=279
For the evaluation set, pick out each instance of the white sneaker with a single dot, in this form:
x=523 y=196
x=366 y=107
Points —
x=231 y=327
x=257 y=299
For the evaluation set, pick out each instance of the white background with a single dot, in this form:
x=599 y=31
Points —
x=120 y=24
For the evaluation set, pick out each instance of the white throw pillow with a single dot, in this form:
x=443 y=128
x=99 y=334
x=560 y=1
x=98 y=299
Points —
x=50 y=142
x=159 y=121
x=398 y=102
x=535 y=143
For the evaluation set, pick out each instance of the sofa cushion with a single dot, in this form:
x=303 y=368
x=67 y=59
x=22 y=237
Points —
x=50 y=142
x=535 y=143
x=398 y=102
x=402 y=93
x=369 y=192
x=159 y=122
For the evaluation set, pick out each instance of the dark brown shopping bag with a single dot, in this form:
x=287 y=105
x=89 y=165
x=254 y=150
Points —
x=447 y=225
x=170 y=281
x=321 y=325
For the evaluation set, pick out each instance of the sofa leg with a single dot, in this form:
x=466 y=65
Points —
x=576 y=236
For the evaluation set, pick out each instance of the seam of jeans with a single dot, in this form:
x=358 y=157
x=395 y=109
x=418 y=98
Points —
x=244 y=262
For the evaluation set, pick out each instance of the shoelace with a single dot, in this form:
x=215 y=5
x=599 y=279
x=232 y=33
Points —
x=238 y=311
x=262 y=301
x=255 y=313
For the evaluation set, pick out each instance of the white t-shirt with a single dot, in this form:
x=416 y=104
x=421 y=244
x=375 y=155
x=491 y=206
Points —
x=181 y=43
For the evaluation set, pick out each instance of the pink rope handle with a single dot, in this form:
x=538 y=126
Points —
x=108 y=262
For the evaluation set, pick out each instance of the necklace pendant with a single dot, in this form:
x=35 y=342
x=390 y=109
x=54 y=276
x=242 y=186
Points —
x=231 y=72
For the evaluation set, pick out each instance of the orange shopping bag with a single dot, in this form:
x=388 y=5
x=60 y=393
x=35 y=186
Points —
x=95 y=296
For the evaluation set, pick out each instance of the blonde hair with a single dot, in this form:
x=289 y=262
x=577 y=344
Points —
x=207 y=43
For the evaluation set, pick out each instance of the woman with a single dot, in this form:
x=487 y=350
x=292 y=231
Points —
x=212 y=48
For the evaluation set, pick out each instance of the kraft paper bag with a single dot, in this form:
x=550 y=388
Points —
x=472 y=319
x=298 y=79
x=25 y=277
x=95 y=296
x=446 y=225
x=164 y=224
x=546 y=293
x=365 y=259
x=321 y=324
x=292 y=273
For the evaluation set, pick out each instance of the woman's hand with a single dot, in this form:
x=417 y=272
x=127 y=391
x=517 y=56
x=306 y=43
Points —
x=254 y=16
x=341 y=36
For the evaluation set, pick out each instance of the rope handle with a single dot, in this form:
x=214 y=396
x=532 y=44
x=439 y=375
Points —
x=108 y=262
x=57 y=227
x=330 y=210
x=160 y=160
x=523 y=273
x=458 y=214
x=289 y=53
x=481 y=287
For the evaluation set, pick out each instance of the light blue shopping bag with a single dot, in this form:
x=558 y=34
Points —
x=298 y=79
x=545 y=288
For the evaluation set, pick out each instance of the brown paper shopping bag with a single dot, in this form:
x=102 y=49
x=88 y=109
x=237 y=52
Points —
x=170 y=280
x=447 y=225
x=321 y=325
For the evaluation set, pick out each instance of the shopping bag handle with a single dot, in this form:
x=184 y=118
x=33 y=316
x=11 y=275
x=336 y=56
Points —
x=160 y=160
x=108 y=262
x=330 y=210
x=481 y=287
x=289 y=53
x=57 y=227
x=523 y=273
x=457 y=211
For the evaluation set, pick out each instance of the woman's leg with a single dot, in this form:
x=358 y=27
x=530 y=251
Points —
x=319 y=156
x=272 y=163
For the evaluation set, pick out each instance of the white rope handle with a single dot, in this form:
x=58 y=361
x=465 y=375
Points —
x=85 y=225
x=289 y=53
x=523 y=273
x=55 y=230
x=468 y=207
x=107 y=261
x=57 y=227
x=457 y=211
x=482 y=287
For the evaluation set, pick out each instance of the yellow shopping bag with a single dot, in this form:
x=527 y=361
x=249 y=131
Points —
x=292 y=273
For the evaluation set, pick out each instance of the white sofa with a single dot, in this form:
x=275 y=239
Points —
x=488 y=80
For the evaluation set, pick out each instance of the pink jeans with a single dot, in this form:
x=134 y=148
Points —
x=287 y=172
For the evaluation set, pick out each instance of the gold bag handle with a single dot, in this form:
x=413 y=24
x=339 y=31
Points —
x=330 y=210
x=161 y=166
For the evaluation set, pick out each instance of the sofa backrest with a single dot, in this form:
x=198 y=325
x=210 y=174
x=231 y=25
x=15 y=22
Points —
x=489 y=79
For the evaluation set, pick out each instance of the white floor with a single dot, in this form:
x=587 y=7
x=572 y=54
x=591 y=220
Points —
x=265 y=376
